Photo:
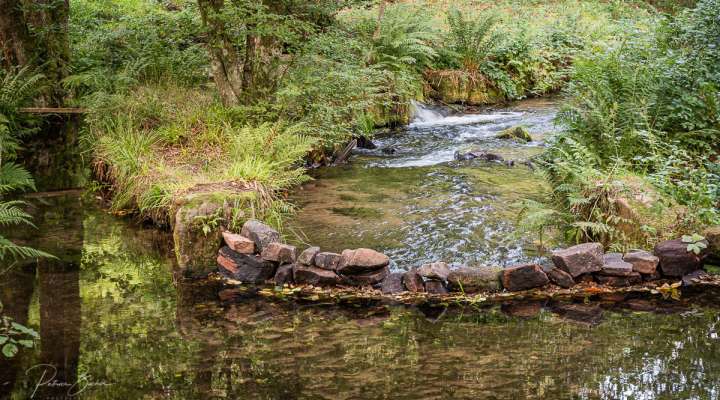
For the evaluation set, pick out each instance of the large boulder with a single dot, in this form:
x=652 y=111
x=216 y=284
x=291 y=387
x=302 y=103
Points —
x=307 y=257
x=368 y=278
x=437 y=270
x=613 y=265
x=519 y=133
x=279 y=253
x=195 y=248
x=315 y=276
x=580 y=259
x=392 y=284
x=326 y=260
x=675 y=260
x=239 y=243
x=413 y=282
x=524 y=277
x=259 y=233
x=642 y=261
x=244 y=267
x=560 y=278
x=360 y=261
x=469 y=280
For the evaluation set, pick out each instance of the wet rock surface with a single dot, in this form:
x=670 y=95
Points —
x=619 y=281
x=437 y=270
x=643 y=262
x=361 y=260
x=393 y=284
x=590 y=314
x=580 y=259
x=413 y=281
x=675 y=260
x=560 y=278
x=524 y=277
x=259 y=233
x=238 y=243
x=366 y=278
x=315 y=276
x=284 y=274
x=435 y=287
x=469 y=280
x=244 y=267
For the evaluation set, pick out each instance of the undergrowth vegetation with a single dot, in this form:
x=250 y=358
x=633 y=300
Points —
x=641 y=136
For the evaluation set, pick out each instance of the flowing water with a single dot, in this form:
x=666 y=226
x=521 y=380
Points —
x=410 y=199
x=114 y=324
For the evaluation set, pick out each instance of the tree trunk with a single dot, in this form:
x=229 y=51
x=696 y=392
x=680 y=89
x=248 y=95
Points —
x=15 y=39
x=225 y=63
x=381 y=14
x=35 y=33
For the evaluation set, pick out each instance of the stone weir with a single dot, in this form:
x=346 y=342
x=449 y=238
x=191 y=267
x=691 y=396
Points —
x=256 y=257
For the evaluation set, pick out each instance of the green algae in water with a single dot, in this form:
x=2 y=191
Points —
x=358 y=212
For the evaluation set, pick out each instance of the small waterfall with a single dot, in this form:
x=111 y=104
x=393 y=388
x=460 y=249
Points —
x=424 y=114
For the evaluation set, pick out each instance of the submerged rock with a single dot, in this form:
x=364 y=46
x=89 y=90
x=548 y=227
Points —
x=307 y=257
x=642 y=261
x=675 y=260
x=579 y=312
x=366 y=278
x=239 y=243
x=560 y=278
x=469 y=280
x=479 y=154
x=413 y=281
x=519 y=133
x=279 y=253
x=365 y=143
x=260 y=233
x=524 y=277
x=393 y=284
x=245 y=267
x=522 y=309
x=315 y=276
x=437 y=270
x=580 y=259
x=327 y=260
x=361 y=260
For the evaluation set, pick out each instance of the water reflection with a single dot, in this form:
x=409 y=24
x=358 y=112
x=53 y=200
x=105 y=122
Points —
x=122 y=326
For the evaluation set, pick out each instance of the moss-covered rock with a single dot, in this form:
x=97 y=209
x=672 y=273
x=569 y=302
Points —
x=519 y=133
x=461 y=87
x=712 y=235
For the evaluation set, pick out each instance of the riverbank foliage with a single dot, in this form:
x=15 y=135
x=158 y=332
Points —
x=642 y=125
x=300 y=79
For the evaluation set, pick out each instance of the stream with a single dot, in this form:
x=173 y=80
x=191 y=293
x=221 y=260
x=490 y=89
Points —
x=418 y=204
x=116 y=322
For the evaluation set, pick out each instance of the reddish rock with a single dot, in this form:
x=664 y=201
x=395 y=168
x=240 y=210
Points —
x=361 y=260
x=435 y=287
x=675 y=260
x=259 y=233
x=613 y=265
x=560 y=278
x=315 y=276
x=307 y=257
x=284 y=274
x=279 y=253
x=642 y=261
x=239 y=243
x=413 y=281
x=366 y=278
x=327 y=260
x=437 y=270
x=392 y=284
x=524 y=277
x=469 y=280
x=619 y=281
x=581 y=259
x=244 y=267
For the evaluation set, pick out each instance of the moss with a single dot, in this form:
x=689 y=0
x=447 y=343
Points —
x=519 y=133
x=358 y=212
x=456 y=86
